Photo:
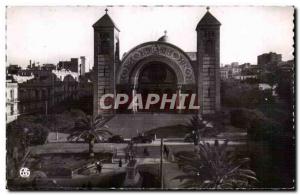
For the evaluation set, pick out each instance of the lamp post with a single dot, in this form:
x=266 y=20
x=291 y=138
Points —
x=161 y=163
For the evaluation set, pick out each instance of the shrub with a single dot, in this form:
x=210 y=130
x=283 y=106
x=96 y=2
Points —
x=258 y=126
x=237 y=94
x=27 y=132
x=242 y=117
x=37 y=134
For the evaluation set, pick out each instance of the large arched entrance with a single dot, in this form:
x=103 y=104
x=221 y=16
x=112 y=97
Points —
x=156 y=77
x=155 y=68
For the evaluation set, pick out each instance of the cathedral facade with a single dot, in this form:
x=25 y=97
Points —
x=158 y=67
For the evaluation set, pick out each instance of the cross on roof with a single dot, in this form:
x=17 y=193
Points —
x=207 y=8
x=165 y=32
x=106 y=10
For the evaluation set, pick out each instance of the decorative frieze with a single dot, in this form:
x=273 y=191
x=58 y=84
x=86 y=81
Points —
x=156 y=49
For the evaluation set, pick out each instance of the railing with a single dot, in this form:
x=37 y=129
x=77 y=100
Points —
x=14 y=100
x=15 y=114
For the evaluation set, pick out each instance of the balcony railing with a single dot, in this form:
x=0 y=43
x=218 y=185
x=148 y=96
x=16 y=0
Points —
x=12 y=101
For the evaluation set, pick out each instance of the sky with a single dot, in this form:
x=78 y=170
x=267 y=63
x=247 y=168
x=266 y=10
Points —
x=50 y=34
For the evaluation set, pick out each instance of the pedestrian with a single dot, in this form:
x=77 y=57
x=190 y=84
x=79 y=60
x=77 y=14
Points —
x=195 y=138
x=172 y=158
x=126 y=156
x=146 y=152
x=166 y=151
x=120 y=163
x=99 y=166
x=131 y=156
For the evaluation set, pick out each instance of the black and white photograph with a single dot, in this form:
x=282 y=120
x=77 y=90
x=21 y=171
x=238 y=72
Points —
x=162 y=97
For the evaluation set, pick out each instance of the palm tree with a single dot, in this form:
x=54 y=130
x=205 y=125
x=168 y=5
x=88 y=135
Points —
x=90 y=130
x=199 y=128
x=214 y=168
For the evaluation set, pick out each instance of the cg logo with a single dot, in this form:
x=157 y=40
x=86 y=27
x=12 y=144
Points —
x=24 y=172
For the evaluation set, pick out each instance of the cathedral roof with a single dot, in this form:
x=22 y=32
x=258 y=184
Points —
x=105 y=21
x=208 y=20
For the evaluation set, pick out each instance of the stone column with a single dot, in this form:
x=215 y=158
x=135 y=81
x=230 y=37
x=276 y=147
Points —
x=178 y=98
x=134 y=106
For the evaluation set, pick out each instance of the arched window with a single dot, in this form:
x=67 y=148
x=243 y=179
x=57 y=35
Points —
x=104 y=43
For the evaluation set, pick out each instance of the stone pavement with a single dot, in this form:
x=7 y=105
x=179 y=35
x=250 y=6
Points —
x=170 y=172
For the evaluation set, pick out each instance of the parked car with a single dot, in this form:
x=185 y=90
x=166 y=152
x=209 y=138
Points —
x=116 y=139
x=142 y=139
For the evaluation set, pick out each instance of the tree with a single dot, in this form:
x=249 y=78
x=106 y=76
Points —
x=90 y=130
x=239 y=94
x=37 y=134
x=29 y=133
x=198 y=127
x=271 y=78
x=285 y=87
x=214 y=168
x=258 y=126
x=21 y=134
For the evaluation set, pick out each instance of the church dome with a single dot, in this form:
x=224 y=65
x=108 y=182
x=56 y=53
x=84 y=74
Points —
x=164 y=38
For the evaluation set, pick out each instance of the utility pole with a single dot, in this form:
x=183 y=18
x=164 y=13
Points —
x=46 y=106
x=161 y=163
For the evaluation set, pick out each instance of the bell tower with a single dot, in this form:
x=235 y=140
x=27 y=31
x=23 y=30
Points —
x=208 y=63
x=106 y=59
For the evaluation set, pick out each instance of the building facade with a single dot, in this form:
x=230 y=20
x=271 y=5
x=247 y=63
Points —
x=82 y=65
x=71 y=65
x=229 y=71
x=11 y=101
x=269 y=58
x=46 y=89
x=239 y=72
x=38 y=89
x=158 y=67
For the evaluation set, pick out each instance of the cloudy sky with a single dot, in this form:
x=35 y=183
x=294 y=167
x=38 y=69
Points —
x=50 y=34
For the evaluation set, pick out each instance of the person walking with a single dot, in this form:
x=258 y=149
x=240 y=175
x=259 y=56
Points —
x=120 y=163
x=99 y=166
x=166 y=151
x=146 y=152
x=126 y=156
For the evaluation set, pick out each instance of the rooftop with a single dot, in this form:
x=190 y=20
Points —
x=106 y=21
x=208 y=20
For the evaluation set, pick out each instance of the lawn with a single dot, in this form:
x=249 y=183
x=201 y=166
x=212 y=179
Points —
x=173 y=131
